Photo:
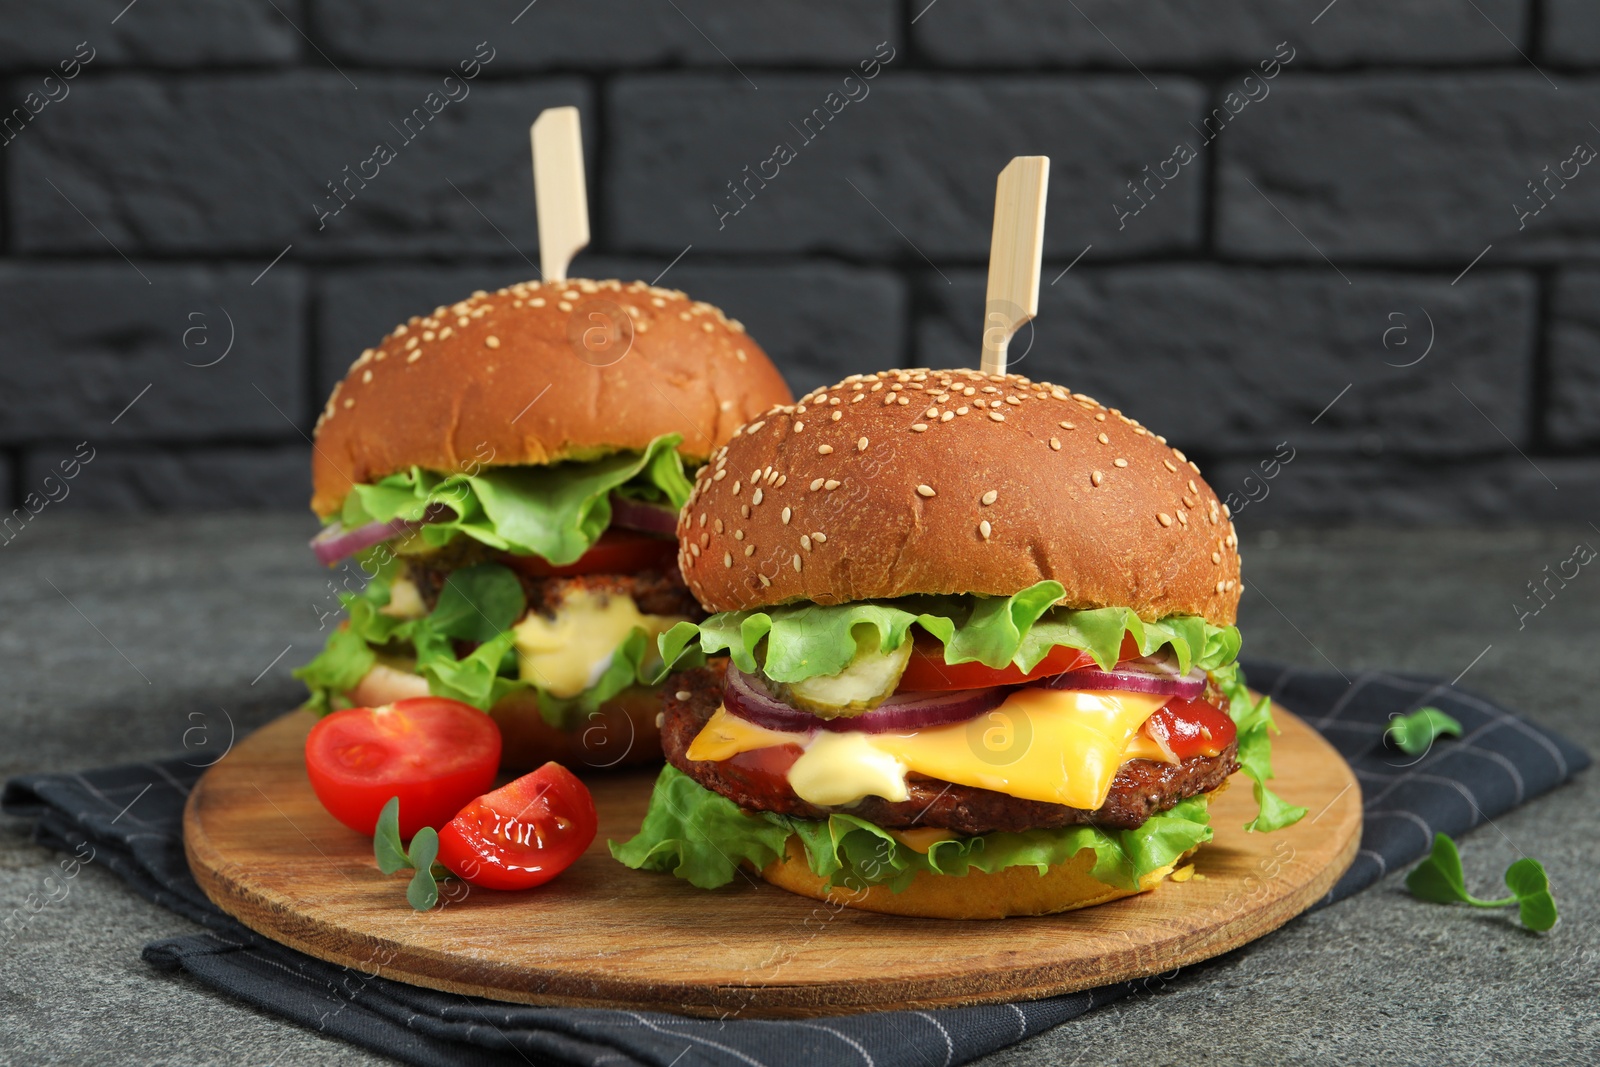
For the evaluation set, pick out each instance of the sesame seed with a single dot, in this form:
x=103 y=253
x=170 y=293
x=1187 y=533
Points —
x=1055 y=443
x=797 y=562
x=831 y=484
x=1103 y=439
x=754 y=426
x=805 y=542
x=905 y=401
x=1013 y=401
x=413 y=357
x=1100 y=416
x=961 y=410
x=786 y=515
x=820 y=538
x=1194 y=466
x=947 y=416
x=1216 y=557
x=1226 y=513
x=858 y=398
x=861 y=444
x=1183 y=519
x=824 y=450
x=1181 y=457
x=1167 y=463
x=837 y=415
x=695 y=550
x=996 y=416
x=702 y=520
x=683 y=694
x=705 y=540
x=1119 y=462
x=933 y=413
x=1163 y=518
x=413 y=343
x=1192 y=487
x=428 y=335
x=925 y=490
x=738 y=535
x=989 y=498
x=537 y=302
x=765 y=581
x=349 y=402
x=816 y=483
x=1068 y=426
x=366 y=376
x=707 y=327
x=717 y=477
x=985 y=529
x=756 y=497
x=1222 y=587
x=1096 y=478
x=744 y=509
x=717 y=526
x=918 y=427
x=798 y=426
x=727 y=559
x=491 y=341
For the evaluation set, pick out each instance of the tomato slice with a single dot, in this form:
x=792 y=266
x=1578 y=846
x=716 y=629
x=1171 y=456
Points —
x=617 y=552
x=1192 y=728
x=434 y=754
x=522 y=834
x=928 y=670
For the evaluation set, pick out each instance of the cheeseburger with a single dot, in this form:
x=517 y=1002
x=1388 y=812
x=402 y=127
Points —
x=979 y=654
x=501 y=479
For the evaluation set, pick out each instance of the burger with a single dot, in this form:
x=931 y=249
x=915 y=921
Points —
x=499 y=482
x=972 y=654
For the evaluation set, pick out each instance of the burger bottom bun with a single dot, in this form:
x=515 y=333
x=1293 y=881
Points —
x=622 y=732
x=974 y=895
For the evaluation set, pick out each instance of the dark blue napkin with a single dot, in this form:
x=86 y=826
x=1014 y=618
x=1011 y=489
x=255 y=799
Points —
x=132 y=817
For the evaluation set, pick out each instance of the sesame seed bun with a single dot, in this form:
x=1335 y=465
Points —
x=622 y=363
x=974 y=895
x=918 y=481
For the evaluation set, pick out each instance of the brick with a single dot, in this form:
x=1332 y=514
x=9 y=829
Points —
x=1193 y=33
x=922 y=154
x=1444 y=159
x=622 y=33
x=86 y=339
x=175 y=33
x=240 y=163
x=1571 y=32
x=1389 y=489
x=122 y=478
x=1225 y=360
x=818 y=321
x=1573 y=415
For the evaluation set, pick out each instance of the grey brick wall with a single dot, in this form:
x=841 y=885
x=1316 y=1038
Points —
x=1360 y=236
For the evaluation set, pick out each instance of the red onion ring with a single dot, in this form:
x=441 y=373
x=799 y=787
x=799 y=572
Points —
x=747 y=696
x=1153 y=674
x=335 y=542
x=637 y=515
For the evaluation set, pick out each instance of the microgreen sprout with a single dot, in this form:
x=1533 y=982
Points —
x=392 y=856
x=1414 y=734
x=1439 y=879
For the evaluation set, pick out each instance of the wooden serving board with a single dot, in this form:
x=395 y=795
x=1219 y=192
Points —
x=602 y=935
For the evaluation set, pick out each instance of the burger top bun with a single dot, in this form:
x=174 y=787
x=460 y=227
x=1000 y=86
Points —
x=538 y=373
x=921 y=481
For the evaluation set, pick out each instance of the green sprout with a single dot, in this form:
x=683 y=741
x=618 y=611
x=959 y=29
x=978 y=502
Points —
x=1439 y=879
x=1414 y=734
x=392 y=856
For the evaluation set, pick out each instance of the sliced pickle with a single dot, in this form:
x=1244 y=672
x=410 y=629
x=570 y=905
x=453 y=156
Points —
x=870 y=679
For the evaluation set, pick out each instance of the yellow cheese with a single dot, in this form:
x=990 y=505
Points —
x=567 y=653
x=1058 y=746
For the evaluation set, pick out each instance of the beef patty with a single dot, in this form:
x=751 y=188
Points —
x=657 y=592
x=1141 y=788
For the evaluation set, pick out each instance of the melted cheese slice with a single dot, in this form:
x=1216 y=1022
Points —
x=566 y=654
x=1057 y=746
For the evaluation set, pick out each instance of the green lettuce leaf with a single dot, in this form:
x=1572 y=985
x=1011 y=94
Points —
x=1253 y=719
x=556 y=512
x=806 y=640
x=478 y=603
x=703 y=838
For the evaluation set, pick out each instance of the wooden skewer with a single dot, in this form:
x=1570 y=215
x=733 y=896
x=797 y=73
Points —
x=1015 y=250
x=559 y=193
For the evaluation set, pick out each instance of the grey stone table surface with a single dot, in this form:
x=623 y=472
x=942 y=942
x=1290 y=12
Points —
x=120 y=634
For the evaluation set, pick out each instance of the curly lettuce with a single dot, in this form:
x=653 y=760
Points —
x=556 y=511
x=477 y=604
x=807 y=640
x=1253 y=720
x=703 y=838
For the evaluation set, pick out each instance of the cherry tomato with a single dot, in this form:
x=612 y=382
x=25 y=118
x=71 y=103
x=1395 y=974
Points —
x=522 y=834
x=928 y=670
x=1192 y=728
x=434 y=754
x=617 y=552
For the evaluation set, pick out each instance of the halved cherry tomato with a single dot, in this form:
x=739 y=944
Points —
x=1192 y=728
x=617 y=552
x=434 y=754
x=928 y=670
x=522 y=834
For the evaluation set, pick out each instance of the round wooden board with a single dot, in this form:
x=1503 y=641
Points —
x=602 y=935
